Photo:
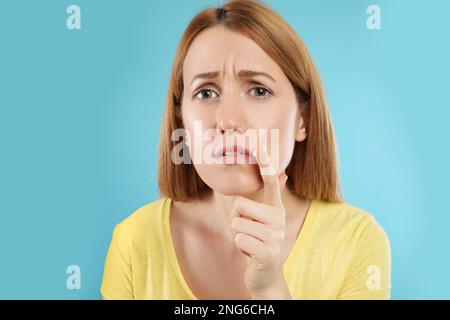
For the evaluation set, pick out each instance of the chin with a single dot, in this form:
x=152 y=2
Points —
x=232 y=190
x=234 y=181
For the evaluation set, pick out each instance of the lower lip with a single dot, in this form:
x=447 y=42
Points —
x=236 y=158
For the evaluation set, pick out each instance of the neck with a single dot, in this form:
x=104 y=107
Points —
x=214 y=211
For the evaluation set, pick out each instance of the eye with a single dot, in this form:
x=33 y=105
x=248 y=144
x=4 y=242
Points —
x=261 y=92
x=205 y=94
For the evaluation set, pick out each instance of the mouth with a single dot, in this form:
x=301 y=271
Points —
x=233 y=154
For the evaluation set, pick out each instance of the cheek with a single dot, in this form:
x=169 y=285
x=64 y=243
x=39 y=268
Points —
x=197 y=120
x=289 y=132
x=281 y=148
x=281 y=142
x=193 y=110
x=286 y=149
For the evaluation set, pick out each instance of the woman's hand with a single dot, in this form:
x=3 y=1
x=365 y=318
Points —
x=259 y=229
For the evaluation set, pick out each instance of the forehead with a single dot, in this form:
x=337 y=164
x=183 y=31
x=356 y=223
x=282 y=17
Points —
x=220 y=49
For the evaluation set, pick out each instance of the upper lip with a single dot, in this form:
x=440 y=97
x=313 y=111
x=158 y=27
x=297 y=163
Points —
x=236 y=148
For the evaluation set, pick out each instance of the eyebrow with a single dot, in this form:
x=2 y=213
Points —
x=241 y=73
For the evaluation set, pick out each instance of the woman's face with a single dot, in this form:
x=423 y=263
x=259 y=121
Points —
x=236 y=108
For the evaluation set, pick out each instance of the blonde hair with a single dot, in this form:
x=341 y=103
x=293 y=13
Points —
x=312 y=170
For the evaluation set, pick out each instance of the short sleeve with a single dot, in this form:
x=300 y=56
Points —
x=117 y=276
x=369 y=273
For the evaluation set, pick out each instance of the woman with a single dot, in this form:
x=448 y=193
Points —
x=260 y=221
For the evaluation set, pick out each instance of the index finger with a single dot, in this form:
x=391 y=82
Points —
x=271 y=192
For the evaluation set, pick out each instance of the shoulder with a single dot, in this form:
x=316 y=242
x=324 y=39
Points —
x=358 y=250
x=346 y=222
x=143 y=222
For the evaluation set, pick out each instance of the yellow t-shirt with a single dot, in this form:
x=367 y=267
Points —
x=341 y=253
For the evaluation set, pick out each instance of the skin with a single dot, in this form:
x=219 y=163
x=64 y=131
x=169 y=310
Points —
x=238 y=238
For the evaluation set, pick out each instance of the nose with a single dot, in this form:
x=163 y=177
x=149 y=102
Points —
x=231 y=116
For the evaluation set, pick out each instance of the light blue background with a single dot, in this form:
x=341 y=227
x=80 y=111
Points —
x=80 y=113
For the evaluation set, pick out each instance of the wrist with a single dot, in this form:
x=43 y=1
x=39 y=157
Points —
x=278 y=291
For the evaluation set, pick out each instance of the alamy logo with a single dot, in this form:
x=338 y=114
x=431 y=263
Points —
x=73 y=21
x=212 y=147
x=374 y=279
x=374 y=19
x=74 y=279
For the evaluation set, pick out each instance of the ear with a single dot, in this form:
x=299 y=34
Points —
x=300 y=135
